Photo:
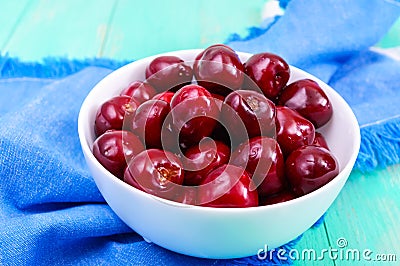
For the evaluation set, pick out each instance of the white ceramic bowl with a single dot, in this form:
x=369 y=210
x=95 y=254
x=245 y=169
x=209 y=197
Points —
x=217 y=232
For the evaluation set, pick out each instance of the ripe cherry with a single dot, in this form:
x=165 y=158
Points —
x=164 y=96
x=148 y=122
x=308 y=99
x=203 y=158
x=263 y=160
x=251 y=109
x=168 y=73
x=193 y=114
x=309 y=168
x=219 y=69
x=228 y=186
x=293 y=130
x=114 y=148
x=157 y=172
x=269 y=71
x=113 y=113
x=140 y=91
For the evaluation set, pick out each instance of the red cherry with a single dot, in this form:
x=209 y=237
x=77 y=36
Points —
x=251 y=109
x=148 y=122
x=269 y=71
x=114 y=148
x=113 y=113
x=309 y=168
x=193 y=113
x=164 y=96
x=263 y=160
x=228 y=186
x=278 y=198
x=293 y=130
x=139 y=91
x=203 y=158
x=219 y=69
x=168 y=73
x=319 y=140
x=308 y=99
x=156 y=172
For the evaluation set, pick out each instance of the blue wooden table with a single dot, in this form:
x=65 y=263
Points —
x=366 y=214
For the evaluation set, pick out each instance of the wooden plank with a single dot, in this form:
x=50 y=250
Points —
x=10 y=15
x=366 y=214
x=313 y=240
x=139 y=29
x=73 y=28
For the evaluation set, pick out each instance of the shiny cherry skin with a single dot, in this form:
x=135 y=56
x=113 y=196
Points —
x=251 y=109
x=214 y=46
x=148 y=122
x=309 y=168
x=156 y=172
x=114 y=148
x=168 y=73
x=228 y=186
x=319 y=140
x=308 y=99
x=269 y=71
x=293 y=130
x=280 y=197
x=193 y=113
x=140 y=91
x=164 y=96
x=113 y=113
x=263 y=160
x=203 y=158
x=219 y=69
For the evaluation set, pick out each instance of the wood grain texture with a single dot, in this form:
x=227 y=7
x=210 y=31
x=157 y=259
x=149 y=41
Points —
x=139 y=30
x=11 y=13
x=72 y=29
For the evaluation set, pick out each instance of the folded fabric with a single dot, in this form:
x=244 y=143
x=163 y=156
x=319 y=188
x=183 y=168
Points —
x=51 y=212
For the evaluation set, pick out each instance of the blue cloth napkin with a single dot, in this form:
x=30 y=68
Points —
x=51 y=212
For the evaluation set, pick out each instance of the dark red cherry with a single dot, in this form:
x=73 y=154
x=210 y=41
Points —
x=139 y=91
x=309 y=168
x=114 y=148
x=319 y=140
x=228 y=186
x=251 y=109
x=203 y=158
x=263 y=160
x=278 y=198
x=214 y=46
x=148 y=121
x=308 y=99
x=194 y=113
x=156 y=172
x=293 y=130
x=219 y=69
x=164 y=96
x=168 y=73
x=269 y=71
x=113 y=113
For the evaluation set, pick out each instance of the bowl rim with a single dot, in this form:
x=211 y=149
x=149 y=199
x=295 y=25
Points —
x=87 y=150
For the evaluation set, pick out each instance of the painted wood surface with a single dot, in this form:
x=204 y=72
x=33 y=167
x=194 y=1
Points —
x=367 y=212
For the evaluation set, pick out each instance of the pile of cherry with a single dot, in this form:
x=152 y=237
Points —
x=218 y=132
